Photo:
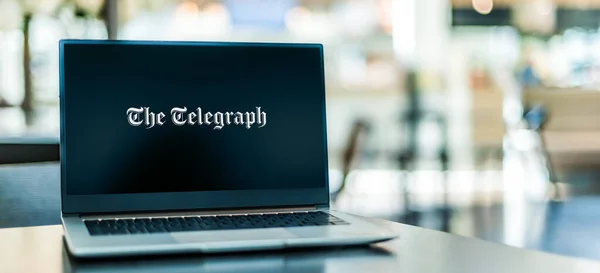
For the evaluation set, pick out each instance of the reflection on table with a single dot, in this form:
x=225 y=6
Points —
x=42 y=249
x=313 y=261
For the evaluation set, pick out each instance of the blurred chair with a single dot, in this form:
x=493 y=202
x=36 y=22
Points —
x=536 y=118
x=410 y=120
x=572 y=133
x=561 y=219
x=351 y=153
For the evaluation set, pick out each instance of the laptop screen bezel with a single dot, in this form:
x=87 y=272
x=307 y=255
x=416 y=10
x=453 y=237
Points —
x=170 y=201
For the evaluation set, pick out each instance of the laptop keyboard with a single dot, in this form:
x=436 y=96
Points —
x=215 y=222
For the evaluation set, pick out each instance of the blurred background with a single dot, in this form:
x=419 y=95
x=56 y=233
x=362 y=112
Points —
x=474 y=117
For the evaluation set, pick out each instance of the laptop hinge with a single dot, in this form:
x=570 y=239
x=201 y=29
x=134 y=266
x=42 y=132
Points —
x=199 y=212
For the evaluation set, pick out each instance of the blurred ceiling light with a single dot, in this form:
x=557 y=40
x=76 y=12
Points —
x=298 y=19
x=187 y=8
x=386 y=17
x=483 y=6
x=296 y=14
x=214 y=8
x=299 y=11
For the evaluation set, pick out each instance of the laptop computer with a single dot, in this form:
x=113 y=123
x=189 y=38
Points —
x=180 y=147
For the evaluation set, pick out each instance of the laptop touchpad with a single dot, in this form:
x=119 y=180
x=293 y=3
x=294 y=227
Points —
x=233 y=235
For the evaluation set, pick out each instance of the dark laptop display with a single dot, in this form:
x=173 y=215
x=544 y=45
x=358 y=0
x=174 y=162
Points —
x=170 y=117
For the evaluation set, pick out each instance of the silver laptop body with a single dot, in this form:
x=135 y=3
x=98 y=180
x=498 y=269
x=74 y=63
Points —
x=212 y=201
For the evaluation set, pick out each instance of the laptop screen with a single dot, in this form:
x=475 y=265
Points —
x=187 y=117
